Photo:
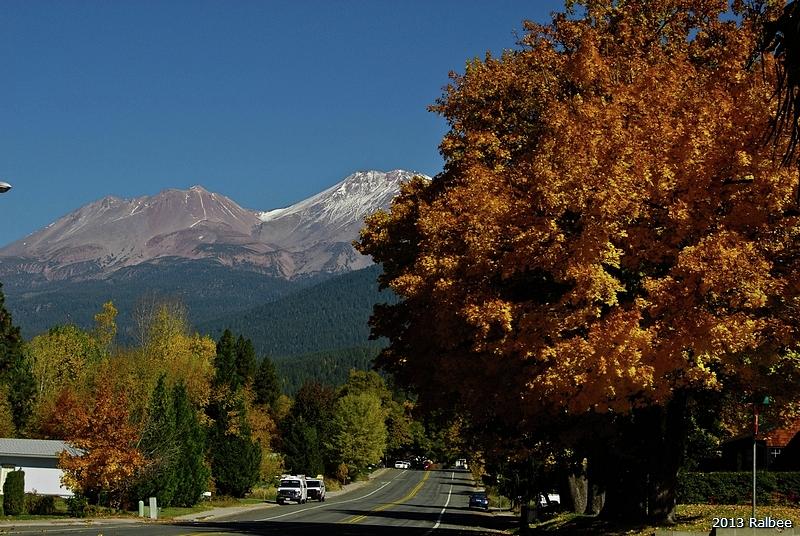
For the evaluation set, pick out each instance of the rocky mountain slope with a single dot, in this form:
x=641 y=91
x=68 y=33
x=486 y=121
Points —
x=308 y=238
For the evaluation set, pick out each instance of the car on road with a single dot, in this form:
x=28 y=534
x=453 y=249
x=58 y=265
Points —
x=479 y=500
x=316 y=488
x=402 y=464
x=292 y=488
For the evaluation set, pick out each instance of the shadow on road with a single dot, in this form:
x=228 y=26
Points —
x=328 y=529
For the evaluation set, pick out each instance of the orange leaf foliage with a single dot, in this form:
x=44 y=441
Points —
x=107 y=439
x=610 y=224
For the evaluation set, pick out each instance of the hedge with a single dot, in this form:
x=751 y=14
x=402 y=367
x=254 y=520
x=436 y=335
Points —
x=737 y=488
x=14 y=493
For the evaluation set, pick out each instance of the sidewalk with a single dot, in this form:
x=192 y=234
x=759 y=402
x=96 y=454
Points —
x=5 y=524
x=226 y=511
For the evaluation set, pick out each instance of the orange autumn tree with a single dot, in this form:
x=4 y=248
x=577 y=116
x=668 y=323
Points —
x=107 y=440
x=610 y=235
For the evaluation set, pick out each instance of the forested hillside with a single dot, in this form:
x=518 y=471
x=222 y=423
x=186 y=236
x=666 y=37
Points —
x=329 y=316
x=314 y=329
x=207 y=288
x=330 y=367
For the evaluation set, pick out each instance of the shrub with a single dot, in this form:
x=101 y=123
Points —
x=40 y=505
x=737 y=488
x=264 y=493
x=14 y=493
x=46 y=506
x=77 y=506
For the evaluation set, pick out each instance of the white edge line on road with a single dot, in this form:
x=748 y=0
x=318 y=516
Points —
x=441 y=514
x=331 y=504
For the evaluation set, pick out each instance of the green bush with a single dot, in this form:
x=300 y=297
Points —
x=14 y=493
x=77 y=506
x=737 y=488
x=40 y=505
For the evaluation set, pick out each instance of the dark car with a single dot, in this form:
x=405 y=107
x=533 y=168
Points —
x=479 y=500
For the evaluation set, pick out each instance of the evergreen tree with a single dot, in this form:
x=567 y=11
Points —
x=15 y=370
x=235 y=458
x=14 y=493
x=10 y=339
x=266 y=383
x=225 y=363
x=245 y=360
x=306 y=427
x=302 y=451
x=160 y=445
x=191 y=471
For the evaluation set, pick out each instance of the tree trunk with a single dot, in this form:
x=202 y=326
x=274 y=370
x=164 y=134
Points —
x=668 y=456
x=595 y=499
x=625 y=497
x=647 y=453
x=574 y=494
x=524 y=511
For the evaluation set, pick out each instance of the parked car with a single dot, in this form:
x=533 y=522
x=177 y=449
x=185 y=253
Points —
x=402 y=464
x=479 y=500
x=316 y=489
x=292 y=488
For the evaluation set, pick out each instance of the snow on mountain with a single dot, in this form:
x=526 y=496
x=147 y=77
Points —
x=311 y=236
x=356 y=196
x=333 y=215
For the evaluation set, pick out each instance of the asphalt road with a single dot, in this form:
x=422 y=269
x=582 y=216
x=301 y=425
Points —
x=399 y=502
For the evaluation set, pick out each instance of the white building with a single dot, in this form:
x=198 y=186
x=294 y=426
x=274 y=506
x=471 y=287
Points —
x=39 y=459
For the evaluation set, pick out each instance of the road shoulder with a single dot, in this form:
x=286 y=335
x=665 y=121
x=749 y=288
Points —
x=227 y=511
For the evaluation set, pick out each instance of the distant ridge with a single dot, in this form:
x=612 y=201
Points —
x=310 y=237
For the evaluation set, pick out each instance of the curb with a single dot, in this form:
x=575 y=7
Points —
x=70 y=521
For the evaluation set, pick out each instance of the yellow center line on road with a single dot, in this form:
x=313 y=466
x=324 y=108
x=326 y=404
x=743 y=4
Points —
x=382 y=507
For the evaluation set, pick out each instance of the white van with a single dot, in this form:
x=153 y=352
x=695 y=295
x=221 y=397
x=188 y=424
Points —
x=292 y=488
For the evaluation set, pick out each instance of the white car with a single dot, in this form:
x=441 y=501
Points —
x=400 y=464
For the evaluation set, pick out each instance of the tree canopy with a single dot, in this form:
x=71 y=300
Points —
x=610 y=228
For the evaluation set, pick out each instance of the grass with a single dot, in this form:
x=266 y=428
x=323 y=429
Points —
x=219 y=502
x=691 y=517
x=496 y=500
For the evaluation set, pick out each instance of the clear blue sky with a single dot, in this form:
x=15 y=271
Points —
x=264 y=101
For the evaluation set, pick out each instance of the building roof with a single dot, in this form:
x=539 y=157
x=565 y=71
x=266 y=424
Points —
x=34 y=448
x=780 y=437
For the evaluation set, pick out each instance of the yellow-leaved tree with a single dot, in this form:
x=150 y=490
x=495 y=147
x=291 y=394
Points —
x=610 y=235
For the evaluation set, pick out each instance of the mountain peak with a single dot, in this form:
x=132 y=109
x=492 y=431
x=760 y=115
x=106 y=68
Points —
x=313 y=235
x=354 y=197
x=333 y=216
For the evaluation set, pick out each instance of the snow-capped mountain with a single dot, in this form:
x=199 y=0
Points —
x=312 y=236
x=325 y=224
